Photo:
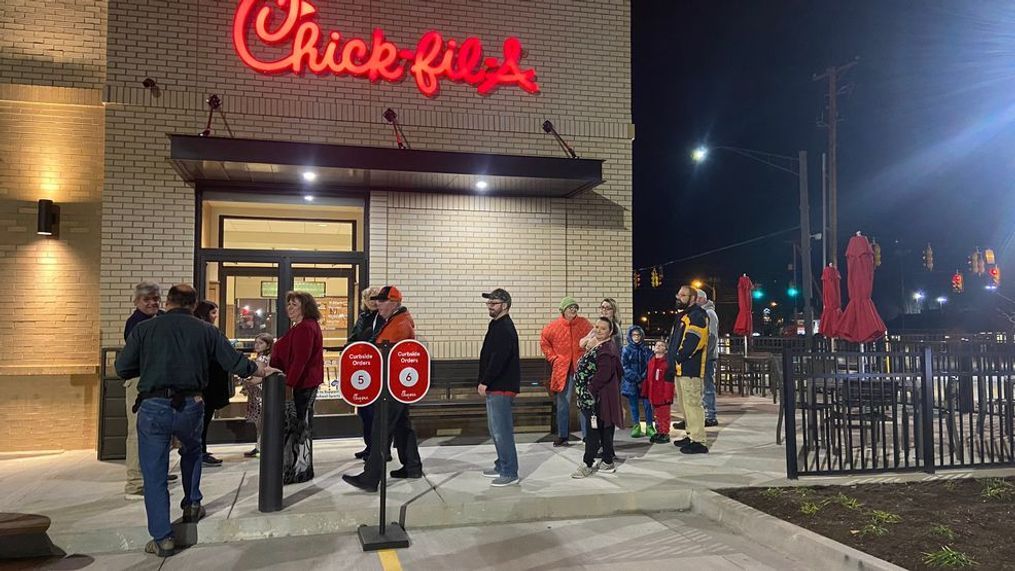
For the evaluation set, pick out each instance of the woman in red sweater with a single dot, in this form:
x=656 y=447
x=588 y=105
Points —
x=300 y=355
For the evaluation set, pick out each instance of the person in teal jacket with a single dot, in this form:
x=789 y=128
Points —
x=635 y=361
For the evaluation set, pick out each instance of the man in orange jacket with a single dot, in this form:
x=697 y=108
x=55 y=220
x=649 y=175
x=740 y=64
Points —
x=398 y=326
x=559 y=342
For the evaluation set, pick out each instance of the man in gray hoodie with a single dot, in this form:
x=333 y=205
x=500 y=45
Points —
x=708 y=392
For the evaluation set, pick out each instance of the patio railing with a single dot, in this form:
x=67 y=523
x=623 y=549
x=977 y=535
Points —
x=942 y=405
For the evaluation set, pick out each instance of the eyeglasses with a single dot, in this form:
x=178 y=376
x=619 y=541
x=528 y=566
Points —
x=610 y=307
x=571 y=308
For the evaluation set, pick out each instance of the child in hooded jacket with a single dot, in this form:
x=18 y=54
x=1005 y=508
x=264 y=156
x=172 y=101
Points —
x=634 y=359
x=659 y=391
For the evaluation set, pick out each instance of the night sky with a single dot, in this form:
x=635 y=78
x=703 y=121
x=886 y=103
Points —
x=926 y=136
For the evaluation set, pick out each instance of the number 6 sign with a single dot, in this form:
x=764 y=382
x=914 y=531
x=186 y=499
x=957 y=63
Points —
x=408 y=371
x=359 y=378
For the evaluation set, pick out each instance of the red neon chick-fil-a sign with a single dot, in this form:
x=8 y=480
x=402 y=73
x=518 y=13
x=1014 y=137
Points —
x=295 y=30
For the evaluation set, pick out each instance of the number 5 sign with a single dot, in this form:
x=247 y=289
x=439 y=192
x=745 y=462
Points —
x=408 y=371
x=359 y=378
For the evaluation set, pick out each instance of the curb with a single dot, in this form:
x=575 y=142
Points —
x=801 y=544
x=509 y=509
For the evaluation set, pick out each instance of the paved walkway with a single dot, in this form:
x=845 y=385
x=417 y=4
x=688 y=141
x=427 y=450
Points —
x=669 y=540
x=83 y=497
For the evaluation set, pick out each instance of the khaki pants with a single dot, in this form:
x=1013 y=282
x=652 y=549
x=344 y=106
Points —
x=689 y=393
x=135 y=482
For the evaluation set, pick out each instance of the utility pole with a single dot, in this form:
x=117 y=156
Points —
x=832 y=74
x=805 y=250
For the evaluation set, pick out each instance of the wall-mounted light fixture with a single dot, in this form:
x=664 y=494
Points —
x=49 y=218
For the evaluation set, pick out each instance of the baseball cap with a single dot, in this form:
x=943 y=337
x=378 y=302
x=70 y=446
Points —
x=499 y=294
x=388 y=293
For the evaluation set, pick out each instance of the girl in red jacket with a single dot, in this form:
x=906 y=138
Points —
x=659 y=392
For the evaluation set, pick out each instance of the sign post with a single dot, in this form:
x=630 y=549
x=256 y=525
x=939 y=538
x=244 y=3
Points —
x=408 y=380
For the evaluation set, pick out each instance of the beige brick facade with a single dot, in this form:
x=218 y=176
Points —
x=442 y=250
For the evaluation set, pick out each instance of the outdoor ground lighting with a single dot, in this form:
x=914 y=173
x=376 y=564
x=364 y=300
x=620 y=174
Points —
x=49 y=218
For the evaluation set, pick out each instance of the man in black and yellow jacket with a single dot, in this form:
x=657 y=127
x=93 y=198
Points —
x=687 y=355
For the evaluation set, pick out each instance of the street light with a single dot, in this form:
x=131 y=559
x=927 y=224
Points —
x=941 y=300
x=796 y=166
x=918 y=296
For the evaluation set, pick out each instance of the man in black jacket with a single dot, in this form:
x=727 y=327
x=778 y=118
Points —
x=500 y=382
x=172 y=355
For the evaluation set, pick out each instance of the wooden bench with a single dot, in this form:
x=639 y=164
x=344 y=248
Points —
x=453 y=394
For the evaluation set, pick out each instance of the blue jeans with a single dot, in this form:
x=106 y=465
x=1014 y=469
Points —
x=708 y=391
x=564 y=411
x=633 y=402
x=502 y=430
x=157 y=423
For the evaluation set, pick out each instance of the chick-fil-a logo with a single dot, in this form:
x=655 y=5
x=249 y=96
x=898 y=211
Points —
x=433 y=59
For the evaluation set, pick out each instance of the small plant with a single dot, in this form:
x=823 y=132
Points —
x=772 y=493
x=948 y=557
x=847 y=502
x=943 y=530
x=880 y=517
x=875 y=529
x=997 y=489
x=803 y=492
x=811 y=508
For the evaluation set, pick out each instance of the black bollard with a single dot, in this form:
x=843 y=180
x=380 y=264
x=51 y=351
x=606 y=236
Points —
x=269 y=495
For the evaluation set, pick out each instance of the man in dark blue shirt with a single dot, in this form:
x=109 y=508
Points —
x=147 y=298
x=500 y=378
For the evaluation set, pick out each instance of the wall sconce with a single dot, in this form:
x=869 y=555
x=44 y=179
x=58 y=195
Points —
x=49 y=218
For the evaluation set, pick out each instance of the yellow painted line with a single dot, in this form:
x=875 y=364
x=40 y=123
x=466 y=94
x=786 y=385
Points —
x=389 y=560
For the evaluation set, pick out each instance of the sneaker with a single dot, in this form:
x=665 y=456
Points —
x=606 y=468
x=134 y=496
x=680 y=425
x=685 y=441
x=362 y=454
x=636 y=431
x=583 y=471
x=193 y=513
x=504 y=481
x=402 y=473
x=163 y=548
x=660 y=438
x=252 y=454
x=710 y=422
x=561 y=442
x=651 y=430
x=491 y=474
x=209 y=460
x=694 y=448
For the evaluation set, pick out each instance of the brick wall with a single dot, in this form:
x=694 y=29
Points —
x=52 y=68
x=541 y=249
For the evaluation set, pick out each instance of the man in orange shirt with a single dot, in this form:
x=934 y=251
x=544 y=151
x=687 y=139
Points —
x=559 y=342
x=398 y=326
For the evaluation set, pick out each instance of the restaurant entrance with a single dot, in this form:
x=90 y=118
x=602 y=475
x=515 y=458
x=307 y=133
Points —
x=253 y=249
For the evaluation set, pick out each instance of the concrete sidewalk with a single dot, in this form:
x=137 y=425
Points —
x=84 y=497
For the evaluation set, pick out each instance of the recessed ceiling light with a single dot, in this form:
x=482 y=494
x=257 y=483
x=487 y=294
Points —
x=481 y=185
x=308 y=197
x=309 y=176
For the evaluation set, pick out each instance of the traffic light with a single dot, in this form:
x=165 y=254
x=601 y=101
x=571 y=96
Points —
x=637 y=279
x=995 y=275
x=877 y=253
x=988 y=255
x=976 y=264
x=656 y=278
x=792 y=291
x=757 y=293
x=928 y=259
x=957 y=282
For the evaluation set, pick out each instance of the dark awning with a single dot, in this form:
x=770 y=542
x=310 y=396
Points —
x=239 y=161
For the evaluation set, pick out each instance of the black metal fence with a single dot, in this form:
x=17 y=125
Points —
x=919 y=408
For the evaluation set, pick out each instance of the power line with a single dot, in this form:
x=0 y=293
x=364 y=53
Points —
x=720 y=249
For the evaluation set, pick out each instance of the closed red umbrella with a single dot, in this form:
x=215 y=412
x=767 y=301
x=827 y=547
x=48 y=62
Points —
x=744 y=324
x=860 y=322
x=831 y=301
